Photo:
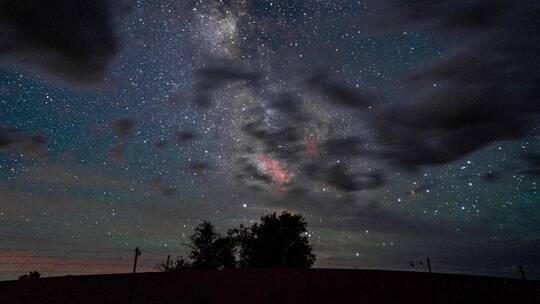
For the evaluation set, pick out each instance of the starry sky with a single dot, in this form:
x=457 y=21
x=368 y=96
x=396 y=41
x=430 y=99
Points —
x=399 y=130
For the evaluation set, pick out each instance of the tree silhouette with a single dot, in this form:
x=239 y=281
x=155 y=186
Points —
x=211 y=250
x=278 y=241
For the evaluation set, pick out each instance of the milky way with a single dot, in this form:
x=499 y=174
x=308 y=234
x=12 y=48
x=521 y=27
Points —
x=378 y=122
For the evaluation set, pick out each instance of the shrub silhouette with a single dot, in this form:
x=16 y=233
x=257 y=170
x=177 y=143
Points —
x=278 y=241
x=180 y=264
x=32 y=275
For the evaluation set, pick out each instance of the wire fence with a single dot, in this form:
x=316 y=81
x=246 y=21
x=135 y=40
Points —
x=17 y=262
x=446 y=267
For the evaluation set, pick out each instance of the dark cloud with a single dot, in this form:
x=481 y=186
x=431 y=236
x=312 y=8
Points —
x=34 y=145
x=533 y=164
x=117 y=153
x=155 y=182
x=344 y=147
x=161 y=144
x=299 y=143
x=440 y=15
x=168 y=191
x=482 y=90
x=490 y=177
x=165 y=190
x=340 y=94
x=180 y=137
x=249 y=173
x=479 y=93
x=354 y=215
x=297 y=192
x=423 y=187
x=68 y=155
x=8 y=136
x=290 y=106
x=184 y=136
x=214 y=77
x=340 y=177
x=255 y=188
x=198 y=167
x=336 y=176
x=287 y=130
x=123 y=126
x=285 y=142
x=69 y=38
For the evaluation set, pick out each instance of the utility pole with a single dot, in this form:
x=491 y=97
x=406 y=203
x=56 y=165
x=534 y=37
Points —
x=132 y=290
x=528 y=291
x=432 y=280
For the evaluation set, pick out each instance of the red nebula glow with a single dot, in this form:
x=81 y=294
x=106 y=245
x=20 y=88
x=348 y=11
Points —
x=312 y=142
x=274 y=168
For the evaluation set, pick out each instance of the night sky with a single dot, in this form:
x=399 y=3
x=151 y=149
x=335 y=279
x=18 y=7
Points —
x=399 y=129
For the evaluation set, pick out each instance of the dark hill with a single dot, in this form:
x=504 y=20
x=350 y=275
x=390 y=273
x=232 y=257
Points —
x=273 y=287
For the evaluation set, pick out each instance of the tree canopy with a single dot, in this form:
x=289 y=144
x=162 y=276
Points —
x=209 y=249
x=279 y=241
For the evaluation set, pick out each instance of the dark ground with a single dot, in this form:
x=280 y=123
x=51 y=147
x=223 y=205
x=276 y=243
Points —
x=273 y=286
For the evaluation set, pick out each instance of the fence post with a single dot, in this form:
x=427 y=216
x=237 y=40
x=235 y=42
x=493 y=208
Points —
x=132 y=289
x=428 y=264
